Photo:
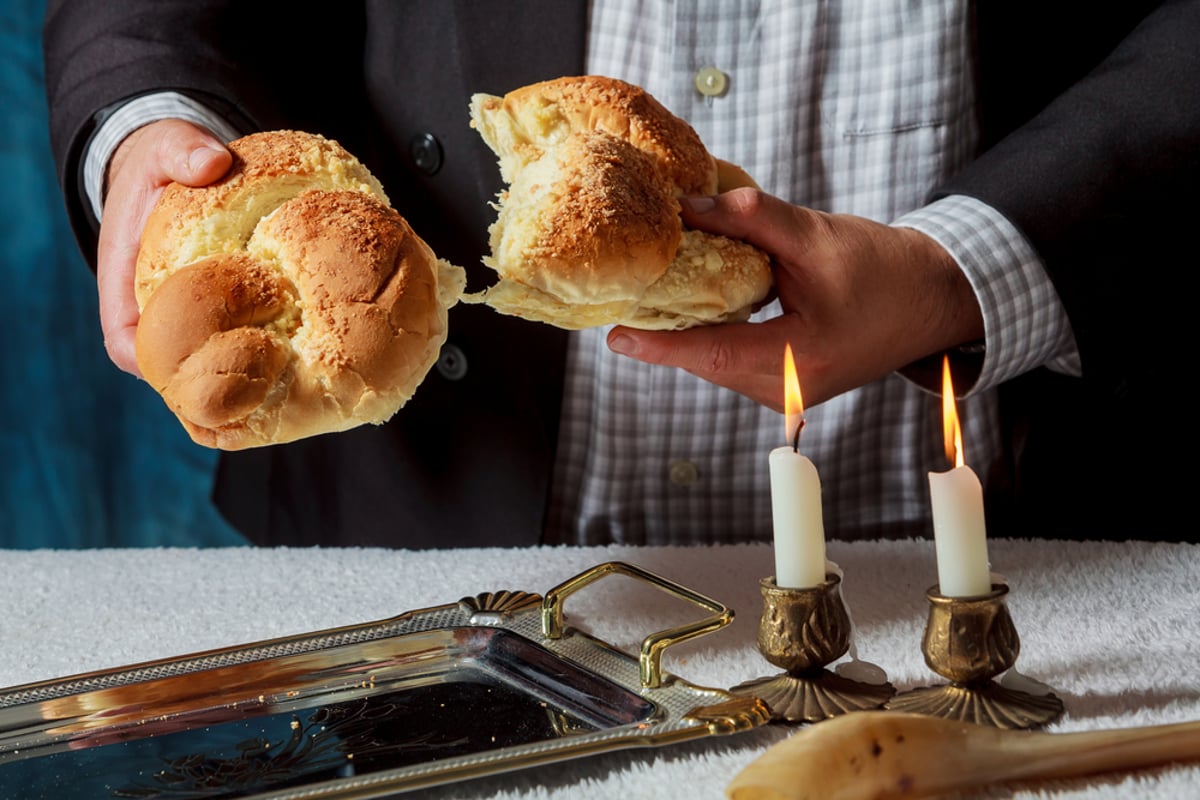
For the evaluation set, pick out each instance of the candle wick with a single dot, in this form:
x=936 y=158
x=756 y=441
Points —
x=796 y=438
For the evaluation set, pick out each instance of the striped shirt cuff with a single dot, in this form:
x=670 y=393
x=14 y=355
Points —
x=1025 y=324
x=133 y=115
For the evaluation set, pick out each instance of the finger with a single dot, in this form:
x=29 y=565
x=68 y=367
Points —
x=120 y=233
x=745 y=357
x=118 y=319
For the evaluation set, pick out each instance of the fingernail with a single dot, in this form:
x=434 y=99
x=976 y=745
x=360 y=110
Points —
x=201 y=157
x=622 y=344
x=699 y=205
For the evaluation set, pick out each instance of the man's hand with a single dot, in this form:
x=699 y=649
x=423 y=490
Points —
x=860 y=300
x=144 y=163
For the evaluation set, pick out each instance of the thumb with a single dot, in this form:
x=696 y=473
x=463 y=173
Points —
x=205 y=164
x=765 y=221
x=169 y=150
x=186 y=153
x=192 y=156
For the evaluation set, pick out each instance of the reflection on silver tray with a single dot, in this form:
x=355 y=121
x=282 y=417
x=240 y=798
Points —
x=488 y=684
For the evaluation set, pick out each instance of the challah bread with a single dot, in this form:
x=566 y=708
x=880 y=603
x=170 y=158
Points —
x=588 y=232
x=288 y=299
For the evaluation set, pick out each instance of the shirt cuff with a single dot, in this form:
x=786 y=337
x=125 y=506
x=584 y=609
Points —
x=1024 y=322
x=129 y=117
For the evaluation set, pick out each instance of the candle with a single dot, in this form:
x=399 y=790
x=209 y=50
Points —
x=960 y=537
x=796 y=499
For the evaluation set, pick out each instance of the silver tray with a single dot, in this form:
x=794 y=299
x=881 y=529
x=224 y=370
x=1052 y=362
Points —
x=492 y=683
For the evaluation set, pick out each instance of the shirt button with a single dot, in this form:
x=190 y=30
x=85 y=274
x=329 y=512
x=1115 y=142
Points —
x=426 y=152
x=711 y=82
x=683 y=473
x=452 y=363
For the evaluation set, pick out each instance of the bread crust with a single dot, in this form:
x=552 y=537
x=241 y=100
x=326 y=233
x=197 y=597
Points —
x=549 y=112
x=288 y=299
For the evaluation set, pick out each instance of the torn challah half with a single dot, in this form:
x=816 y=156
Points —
x=588 y=232
x=288 y=299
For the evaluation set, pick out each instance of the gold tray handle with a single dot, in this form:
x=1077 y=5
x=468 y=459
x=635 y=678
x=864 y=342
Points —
x=650 y=659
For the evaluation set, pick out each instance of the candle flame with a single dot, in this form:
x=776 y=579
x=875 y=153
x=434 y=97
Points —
x=951 y=430
x=793 y=402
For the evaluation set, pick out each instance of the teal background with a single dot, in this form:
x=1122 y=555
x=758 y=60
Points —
x=90 y=455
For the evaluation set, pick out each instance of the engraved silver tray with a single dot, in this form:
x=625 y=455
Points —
x=492 y=683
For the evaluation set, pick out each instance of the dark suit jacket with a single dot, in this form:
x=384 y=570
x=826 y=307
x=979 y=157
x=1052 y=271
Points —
x=1092 y=132
x=468 y=460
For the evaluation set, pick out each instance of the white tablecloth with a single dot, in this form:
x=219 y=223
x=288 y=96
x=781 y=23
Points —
x=1114 y=628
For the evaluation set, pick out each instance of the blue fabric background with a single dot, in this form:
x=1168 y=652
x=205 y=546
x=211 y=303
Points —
x=90 y=456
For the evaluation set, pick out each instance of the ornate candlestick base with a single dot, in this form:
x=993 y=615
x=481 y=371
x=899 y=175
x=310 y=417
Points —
x=802 y=630
x=970 y=640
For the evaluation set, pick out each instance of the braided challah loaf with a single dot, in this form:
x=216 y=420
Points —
x=288 y=299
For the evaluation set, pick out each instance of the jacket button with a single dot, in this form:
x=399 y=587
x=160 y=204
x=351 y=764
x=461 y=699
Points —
x=452 y=363
x=426 y=152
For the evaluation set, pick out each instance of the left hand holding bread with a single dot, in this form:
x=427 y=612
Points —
x=287 y=299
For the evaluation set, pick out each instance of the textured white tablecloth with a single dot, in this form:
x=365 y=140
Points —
x=1114 y=628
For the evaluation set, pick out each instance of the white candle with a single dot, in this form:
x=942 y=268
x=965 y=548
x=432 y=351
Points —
x=796 y=498
x=799 y=526
x=959 y=533
x=960 y=537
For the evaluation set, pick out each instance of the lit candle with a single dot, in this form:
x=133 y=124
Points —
x=960 y=537
x=796 y=499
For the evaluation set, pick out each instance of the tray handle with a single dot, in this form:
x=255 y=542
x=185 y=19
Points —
x=650 y=658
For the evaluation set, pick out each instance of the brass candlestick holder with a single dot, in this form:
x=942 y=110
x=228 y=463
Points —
x=802 y=630
x=969 y=641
